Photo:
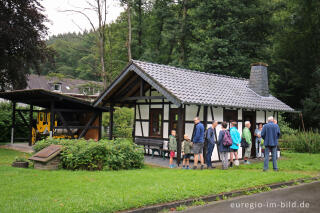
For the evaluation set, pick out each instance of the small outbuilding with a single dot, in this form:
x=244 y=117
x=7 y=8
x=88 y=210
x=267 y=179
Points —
x=166 y=97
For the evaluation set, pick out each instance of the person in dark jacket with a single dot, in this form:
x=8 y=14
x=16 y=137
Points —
x=198 y=142
x=224 y=150
x=270 y=134
x=210 y=137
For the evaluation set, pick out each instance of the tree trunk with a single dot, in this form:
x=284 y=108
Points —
x=129 y=30
x=140 y=27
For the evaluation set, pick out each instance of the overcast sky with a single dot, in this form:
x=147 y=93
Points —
x=62 y=22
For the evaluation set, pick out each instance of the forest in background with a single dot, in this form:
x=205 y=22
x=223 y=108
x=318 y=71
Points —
x=217 y=36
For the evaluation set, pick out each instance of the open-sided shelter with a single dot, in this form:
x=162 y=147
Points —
x=68 y=115
x=166 y=97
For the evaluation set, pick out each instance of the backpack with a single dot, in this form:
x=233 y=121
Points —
x=227 y=139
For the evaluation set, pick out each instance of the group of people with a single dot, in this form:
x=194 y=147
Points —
x=228 y=143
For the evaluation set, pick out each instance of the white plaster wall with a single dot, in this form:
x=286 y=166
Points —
x=189 y=129
x=166 y=112
x=260 y=117
x=145 y=126
x=165 y=129
x=191 y=112
x=239 y=114
x=269 y=113
x=138 y=129
x=173 y=106
x=144 y=112
x=218 y=113
x=156 y=106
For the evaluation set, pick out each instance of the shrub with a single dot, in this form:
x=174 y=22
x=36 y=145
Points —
x=92 y=155
x=122 y=121
x=302 y=142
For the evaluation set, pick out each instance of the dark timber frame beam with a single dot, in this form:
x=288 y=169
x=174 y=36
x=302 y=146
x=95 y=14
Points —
x=85 y=130
x=111 y=122
x=13 y=121
x=180 y=133
x=30 y=124
x=205 y=122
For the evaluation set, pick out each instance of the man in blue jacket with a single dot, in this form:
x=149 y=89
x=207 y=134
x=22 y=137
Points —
x=210 y=137
x=270 y=134
x=198 y=142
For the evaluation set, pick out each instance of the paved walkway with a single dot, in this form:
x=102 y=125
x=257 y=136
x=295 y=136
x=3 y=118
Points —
x=160 y=162
x=22 y=147
x=300 y=198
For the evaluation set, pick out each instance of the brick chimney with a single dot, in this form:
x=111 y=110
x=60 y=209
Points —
x=258 y=81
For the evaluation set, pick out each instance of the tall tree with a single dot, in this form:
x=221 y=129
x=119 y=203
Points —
x=296 y=57
x=128 y=4
x=229 y=35
x=100 y=8
x=22 y=46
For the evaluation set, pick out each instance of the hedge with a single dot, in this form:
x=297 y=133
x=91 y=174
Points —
x=302 y=142
x=102 y=155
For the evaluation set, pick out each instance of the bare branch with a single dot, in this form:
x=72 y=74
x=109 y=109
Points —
x=82 y=13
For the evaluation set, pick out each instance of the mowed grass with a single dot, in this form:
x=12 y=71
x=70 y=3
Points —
x=30 y=190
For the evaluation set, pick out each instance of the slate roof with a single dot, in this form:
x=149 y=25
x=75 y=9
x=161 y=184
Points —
x=183 y=86
x=68 y=85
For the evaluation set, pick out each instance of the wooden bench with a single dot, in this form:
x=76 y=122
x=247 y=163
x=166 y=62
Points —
x=156 y=145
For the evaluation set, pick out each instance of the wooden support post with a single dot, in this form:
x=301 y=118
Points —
x=51 y=119
x=134 y=123
x=111 y=122
x=13 y=121
x=180 y=133
x=100 y=126
x=30 y=124
x=205 y=123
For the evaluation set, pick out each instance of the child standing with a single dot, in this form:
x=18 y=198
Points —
x=172 y=147
x=186 y=151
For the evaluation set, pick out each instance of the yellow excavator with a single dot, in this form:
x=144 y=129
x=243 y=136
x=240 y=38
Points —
x=41 y=128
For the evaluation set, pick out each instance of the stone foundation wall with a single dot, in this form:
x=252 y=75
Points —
x=52 y=164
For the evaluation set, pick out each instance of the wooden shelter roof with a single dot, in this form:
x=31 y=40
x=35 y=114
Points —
x=44 y=98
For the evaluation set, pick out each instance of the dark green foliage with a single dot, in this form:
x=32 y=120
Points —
x=302 y=142
x=229 y=35
x=296 y=53
x=122 y=122
x=101 y=155
x=6 y=121
x=311 y=104
x=22 y=47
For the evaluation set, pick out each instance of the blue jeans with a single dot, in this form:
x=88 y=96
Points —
x=209 y=153
x=273 y=150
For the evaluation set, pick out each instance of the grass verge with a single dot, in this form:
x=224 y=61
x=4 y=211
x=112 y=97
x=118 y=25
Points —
x=29 y=190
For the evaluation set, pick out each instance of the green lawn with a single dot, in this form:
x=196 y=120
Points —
x=29 y=190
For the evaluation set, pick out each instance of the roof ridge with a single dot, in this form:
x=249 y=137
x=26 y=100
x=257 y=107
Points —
x=190 y=70
x=66 y=78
